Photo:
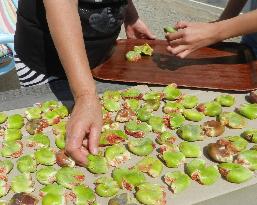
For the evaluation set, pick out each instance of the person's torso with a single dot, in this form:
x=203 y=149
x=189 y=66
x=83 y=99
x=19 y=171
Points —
x=98 y=17
x=101 y=22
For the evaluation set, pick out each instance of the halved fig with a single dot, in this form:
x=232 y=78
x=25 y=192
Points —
x=132 y=93
x=210 y=109
x=110 y=137
x=137 y=129
x=171 y=92
x=23 y=199
x=225 y=149
x=253 y=96
x=202 y=173
x=144 y=49
x=151 y=194
x=36 y=126
x=128 y=178
x=125 y=115
x=213 y=128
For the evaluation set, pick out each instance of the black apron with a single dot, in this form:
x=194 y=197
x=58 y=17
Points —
x=101 y=22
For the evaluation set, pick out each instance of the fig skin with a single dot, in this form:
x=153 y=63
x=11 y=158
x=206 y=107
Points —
x=253 y=96
x=35 y=126
x=213 y=128
x=23 y=198
x=122 y=199
x=222 y=151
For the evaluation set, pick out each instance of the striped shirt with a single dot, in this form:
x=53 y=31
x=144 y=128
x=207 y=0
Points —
x=29 y=77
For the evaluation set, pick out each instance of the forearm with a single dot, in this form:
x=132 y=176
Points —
x=233 y=8
x=237 y=26
x=131 y=13
x=66 y=31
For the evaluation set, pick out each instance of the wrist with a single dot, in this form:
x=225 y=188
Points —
x=131 y=15
x=85 y=94
x=219 y=34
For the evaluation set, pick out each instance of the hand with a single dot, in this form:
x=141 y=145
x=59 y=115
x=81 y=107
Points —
x=192 y=36
x=138 y=30
x=84 y=128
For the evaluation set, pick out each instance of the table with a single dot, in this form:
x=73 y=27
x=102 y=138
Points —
x=60 y=90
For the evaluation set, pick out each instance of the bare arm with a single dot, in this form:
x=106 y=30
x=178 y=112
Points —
x=84 y=125
x=233 y=8
x=67 y=34
x=131 y=14
x=237 y=26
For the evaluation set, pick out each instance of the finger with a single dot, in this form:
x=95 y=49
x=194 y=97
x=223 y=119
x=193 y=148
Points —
x=79 y=155
x=174 y=36
x=184 y=54
x=75 y=136
x=93 y=138
x=130 y=35
x=150 y=35
x=177 y=42
x=182 y=24
x=178 y=49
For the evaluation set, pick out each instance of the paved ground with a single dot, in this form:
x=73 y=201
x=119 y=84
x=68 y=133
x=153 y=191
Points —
x=160 y=13
x=157 y=14
x=221 y=3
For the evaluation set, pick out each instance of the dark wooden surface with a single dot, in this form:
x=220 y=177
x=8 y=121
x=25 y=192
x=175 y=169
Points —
x=225 y=66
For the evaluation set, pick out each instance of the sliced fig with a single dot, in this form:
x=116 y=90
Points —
x=23 y=199
x=35 y=126
x=223 y=150
x=213 y=128
x=125 y=115
x=253 y=96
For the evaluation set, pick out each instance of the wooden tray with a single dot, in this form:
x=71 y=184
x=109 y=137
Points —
x=225 y=66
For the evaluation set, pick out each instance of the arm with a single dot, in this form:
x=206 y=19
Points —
x=131 y=13
x=192 y=36
x=135 y=28
x=86 y=117
x=232 y=9
x=237 y=26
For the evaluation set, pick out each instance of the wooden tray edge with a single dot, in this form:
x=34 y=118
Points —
x=179 y=85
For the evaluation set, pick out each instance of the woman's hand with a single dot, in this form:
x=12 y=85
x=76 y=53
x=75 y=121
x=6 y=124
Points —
x=138 y=30
x=84 y=128
x=192 y=36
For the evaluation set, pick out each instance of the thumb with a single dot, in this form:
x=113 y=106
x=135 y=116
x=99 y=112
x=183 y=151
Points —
x=182 y=25
x=93 y=138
